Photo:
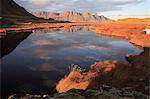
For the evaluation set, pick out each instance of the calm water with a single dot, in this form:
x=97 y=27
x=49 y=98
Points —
x=35 y=62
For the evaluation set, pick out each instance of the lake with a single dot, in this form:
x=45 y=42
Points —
x=35 y=62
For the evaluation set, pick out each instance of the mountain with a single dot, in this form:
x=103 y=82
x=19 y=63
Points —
x=11 y=12
x=72 y=16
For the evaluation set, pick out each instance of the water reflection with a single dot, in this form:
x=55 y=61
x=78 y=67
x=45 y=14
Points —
x=75 y=29
x=42 y=59
x=10 y=42
x=66 y=29
x=132 y=76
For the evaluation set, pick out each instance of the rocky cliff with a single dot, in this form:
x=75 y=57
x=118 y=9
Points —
x=72 y=16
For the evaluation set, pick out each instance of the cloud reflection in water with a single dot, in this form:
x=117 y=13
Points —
x=43 y=58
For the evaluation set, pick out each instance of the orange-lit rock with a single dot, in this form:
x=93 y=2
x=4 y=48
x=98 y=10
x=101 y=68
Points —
x=105 y=66
x=133 y=32
x=75 y=80
x=134 y=75
x=79 y=80
x=142 y=40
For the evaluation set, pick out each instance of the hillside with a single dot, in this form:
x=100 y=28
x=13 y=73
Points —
x=136 y=20
x=12 y=13
x=72 y=16
x=135 y=30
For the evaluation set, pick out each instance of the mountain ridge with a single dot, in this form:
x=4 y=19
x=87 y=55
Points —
x=12 y=13
x=72 y=16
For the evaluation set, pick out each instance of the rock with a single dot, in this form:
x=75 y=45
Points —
x=133 y=75
x=142 y=40
x=81 y=80
x=134 y=32
x=76 y=80
x=46 y=96
x=140 y=60
x=114 y=93
x=72 y=16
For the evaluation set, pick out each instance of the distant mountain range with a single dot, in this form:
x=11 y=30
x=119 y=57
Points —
x=72 y=16
x=12 y=13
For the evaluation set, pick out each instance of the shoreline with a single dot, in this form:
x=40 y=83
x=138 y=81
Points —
x=30 y=27
x=134 y=33
x=78 y=82
x=103 y=66
x=105 y=72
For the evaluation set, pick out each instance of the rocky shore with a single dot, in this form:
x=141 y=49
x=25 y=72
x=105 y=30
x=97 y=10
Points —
x=104 y=80
x=106 y=92
x=134 y=75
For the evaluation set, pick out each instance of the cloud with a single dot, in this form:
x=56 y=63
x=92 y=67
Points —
x=76 y=5
x=39 y=2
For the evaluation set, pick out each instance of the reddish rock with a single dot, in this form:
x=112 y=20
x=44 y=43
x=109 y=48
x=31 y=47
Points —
x=78 y=80
x=133 y=32
x=134 y=75
x=141 y=39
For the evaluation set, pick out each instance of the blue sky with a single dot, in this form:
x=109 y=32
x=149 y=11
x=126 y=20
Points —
x=140 y=10
x=111 y=8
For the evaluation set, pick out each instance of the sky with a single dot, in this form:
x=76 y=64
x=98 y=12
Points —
x=114 y=9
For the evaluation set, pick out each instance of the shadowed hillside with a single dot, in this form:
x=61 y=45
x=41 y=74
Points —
x=13 y=13
x=11 y=41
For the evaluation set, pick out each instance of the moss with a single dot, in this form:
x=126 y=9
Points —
x=68 y=95
x=92 y=94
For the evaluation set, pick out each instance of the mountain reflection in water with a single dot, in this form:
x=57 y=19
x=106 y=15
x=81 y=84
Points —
x=33 y=63
x=10 y=42
x=66 y=29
